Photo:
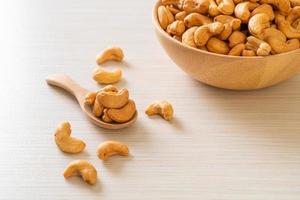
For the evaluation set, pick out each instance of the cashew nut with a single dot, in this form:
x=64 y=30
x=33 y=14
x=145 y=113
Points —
x=113 y=99
x=243 y=10
x=65 y=142
x=181 y=15
x=188 y=37
x=216 y=45
x=248 y=53
x=196 y=19
x=278 y=41
x=295 y=3
x=123 y=114
x=284 y=6
x=176 y=28
x=97 y=109
x=203 y=33
x=173 y=10
x=105 y=116
x=293 y=15
x=296 y=24
x=264 y=8
x=107 y=77
x=226 y=32
x=284 y=26
x=165 y=17
x=258 y=23
x=225 y=6
x=82 y=168
x=110 y=53
x=198 y=6
x=236 y=37
x=213 y=8
x=110 y=148
x=162 y=108
x=90 y=98
x=225 y=19
x=110 y=88
x=259 y=46
x=237 y=50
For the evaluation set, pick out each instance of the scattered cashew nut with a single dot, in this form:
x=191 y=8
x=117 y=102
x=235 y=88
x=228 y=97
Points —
x=109 y=148
x=82 y=168
x=110 y=53
x=103 y=76
x=65 y=142
x=162 y=108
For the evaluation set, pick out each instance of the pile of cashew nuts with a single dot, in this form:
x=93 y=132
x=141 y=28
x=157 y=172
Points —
x=233 y=27
x=111 y=104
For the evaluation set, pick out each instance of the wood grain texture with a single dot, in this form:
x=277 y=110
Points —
x=221 y=145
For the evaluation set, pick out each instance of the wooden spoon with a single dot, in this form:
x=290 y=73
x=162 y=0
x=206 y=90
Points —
x=66 y=83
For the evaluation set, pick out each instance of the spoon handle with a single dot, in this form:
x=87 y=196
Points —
x=66 y=83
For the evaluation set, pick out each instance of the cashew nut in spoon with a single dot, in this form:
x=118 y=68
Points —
x=82 y=168
x=110 y=148
x=113 y=99
x=123 y=114
x=65 y=141
x=66 y=83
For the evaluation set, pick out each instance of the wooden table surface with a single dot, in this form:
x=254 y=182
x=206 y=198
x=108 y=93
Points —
x=221 y=145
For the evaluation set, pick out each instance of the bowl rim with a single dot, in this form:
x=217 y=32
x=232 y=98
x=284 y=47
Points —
x=167 y=36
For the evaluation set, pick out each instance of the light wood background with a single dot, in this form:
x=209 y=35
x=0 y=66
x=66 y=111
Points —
x=222 y=145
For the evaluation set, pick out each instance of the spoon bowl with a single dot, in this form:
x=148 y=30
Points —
x=66 y=83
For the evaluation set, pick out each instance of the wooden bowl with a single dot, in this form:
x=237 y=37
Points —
x=229 y=72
